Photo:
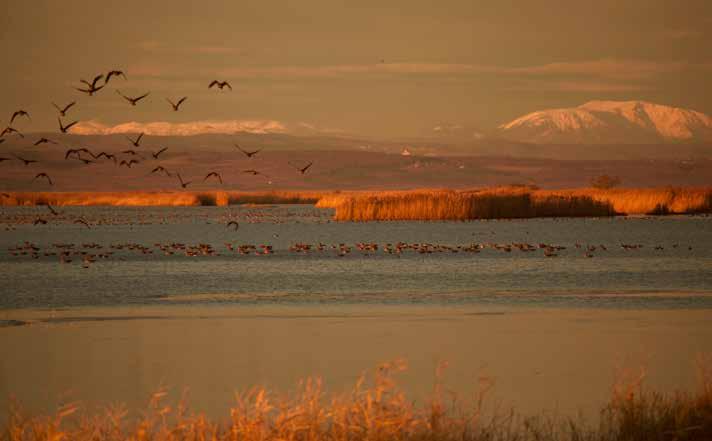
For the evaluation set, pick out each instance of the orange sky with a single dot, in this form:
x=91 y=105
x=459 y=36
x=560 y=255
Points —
x=352 y=67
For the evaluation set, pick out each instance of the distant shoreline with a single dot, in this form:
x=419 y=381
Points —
x=422 y=204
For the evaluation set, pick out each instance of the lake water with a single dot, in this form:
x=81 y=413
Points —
x=157 y=307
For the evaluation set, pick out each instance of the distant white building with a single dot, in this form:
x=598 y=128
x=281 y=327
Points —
x=405 y=152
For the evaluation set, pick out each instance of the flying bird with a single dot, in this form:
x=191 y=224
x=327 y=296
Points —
x=63 y=111
x=221 y=84
x=107 y=156
x=182 y=183
x=11 y=130
x=44 y=141
x=51 y=210
x=93 y=83
x=176 y=105
x=63 y=128
x=90 y=91
x=77 y=153
x=128 y=163
x=92 y=88
x=248 y=154
x=19 y=113
x=155 y=155
x=161 y=169
x=114 y=73
x=302 y=170
x=216 y=174
x=231 y=223
x=44 y=175
x=136 y=142
x=84 y=160
x=130 y=152
x=83 y=222
x=133 y=101
x=254 y=172
x=39 y=221
x=26 y=161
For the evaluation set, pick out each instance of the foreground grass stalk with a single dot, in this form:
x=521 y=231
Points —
x=379 y=411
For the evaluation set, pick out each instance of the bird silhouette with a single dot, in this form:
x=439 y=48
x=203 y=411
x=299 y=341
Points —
x=216 y=174
x=155 y=155
x=254 y=172
x=94 y=81
x=19 y=113
x=220 y=84
x=92 y=88
x=248 y=154
x=11 y=130
x=231 y=223
x=302 y=170
x=77 y=153
x=128 y=163
x=43 y=175
x=136 y=142
x=26 y=161
x=39 y=221
x=107 y=156
x=161 y=169
x=133 y=101
x=114 y=73
x=83 y=222
x=63 y=128
x=44 y=141
x=51 y=210
x=63 y=111
x=176 y=105
x=182 y=183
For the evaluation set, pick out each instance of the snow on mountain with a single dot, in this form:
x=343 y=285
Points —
x=160 y=128
x=604 y=122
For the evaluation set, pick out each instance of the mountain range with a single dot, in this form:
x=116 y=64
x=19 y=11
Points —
x=610 y=122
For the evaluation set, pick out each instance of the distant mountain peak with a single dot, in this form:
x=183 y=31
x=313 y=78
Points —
x=611 y=122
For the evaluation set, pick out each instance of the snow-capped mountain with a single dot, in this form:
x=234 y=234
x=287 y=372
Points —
x=606 y=122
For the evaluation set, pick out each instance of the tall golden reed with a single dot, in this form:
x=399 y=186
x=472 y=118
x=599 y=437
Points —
x=148 y=198
x=514 y=202
x=378 y=411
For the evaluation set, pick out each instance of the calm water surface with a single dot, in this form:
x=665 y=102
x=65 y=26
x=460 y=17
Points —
x=673 y=268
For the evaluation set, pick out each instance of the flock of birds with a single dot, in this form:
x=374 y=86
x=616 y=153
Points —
x=131 y=156
x=90 y=252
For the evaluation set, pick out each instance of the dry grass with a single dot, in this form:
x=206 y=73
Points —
x=427 y=204
x=514 y=202
x=178 y=198
x=378 y=411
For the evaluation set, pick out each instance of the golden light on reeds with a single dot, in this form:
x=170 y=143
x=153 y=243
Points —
x=425 y=204
x=148 y=198
x=376 y=409
x=515 y=202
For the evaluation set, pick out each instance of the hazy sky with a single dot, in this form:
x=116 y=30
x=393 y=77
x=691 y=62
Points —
x=357 y=67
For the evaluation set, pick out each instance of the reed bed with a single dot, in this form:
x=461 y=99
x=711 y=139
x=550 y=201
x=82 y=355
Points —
x=377 y=410
x=147 y=198
x=515 y=202
x=424 y=204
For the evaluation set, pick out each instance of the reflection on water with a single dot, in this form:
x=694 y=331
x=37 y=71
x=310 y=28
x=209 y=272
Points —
x=142 y=259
